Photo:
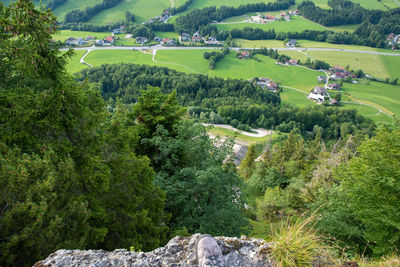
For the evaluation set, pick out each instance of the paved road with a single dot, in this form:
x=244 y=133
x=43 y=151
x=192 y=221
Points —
x=258 y=132
x=158 y=47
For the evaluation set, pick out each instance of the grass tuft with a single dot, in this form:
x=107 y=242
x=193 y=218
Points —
x=297 y=244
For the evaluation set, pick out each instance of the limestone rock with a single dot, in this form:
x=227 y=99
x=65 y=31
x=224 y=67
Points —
x=180 y=251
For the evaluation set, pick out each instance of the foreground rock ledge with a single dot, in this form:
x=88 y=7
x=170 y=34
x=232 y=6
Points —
x=180 y=251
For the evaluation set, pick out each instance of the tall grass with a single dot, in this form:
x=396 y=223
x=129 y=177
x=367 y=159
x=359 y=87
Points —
x=296 y=243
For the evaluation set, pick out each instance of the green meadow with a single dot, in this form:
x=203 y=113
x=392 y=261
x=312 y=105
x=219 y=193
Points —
x=378 y=66
x=369 y=112
x=142 y=9
x=71 y=5
x=296 y=24
x=345 y=28
x=379 y=95
x=305 y=44
x=295 y=98
x=65 y=34
x=74 y=64
x=170 y=35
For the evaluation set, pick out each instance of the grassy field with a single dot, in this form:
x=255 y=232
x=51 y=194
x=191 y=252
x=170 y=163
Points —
x=384 y=96
x=71 y=5
x=305 y=44
x=369 y=112
x=171 y=35
x=297 y=24
x=375 y=65
x=343 y=28
x=64 y=34
x=295 y=98
x=74 y=64
x=142 y=9
x=381 y=95
x=99 y=57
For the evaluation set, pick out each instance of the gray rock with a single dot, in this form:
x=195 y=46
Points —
x=180 y=251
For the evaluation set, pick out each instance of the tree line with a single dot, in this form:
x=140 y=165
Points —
x=342 y=12
x=192 y=21
x=215 y=56
x=216 y=100
x=55 y=3
x=176 y=10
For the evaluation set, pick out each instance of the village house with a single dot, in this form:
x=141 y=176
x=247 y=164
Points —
x=141 y=40
x=119 y=30
x=256 y=19
x=71 y=41
x=333 y=86
x=291 y=43
x=243 y=54
x=184 y=37
x=157 y=39
x=101 y=43
x=292 y=62
x=109 y=39
x=167 y=41
x=270 y=17
x=212 y=41
x=266 y=83
x=196 y=38
x=89 y=38
x=284 y=16
x=318 y=94
x=321 y=79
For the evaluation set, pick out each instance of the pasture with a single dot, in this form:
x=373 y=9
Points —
x=142 y=9
x=71 y=5
x=74 y=64
x=65 y=34
x=378 y=66
x=379 y=95
x=297 y=24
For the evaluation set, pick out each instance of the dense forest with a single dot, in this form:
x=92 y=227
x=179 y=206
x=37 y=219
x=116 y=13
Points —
x=232 y=101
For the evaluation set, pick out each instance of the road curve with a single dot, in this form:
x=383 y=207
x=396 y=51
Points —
x=158 y=47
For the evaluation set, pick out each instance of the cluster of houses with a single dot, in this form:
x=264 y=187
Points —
x=79 y=41
x=266 y=83
x=263 y=19
x=197 y=38
x=338 y=73
x=394 y=41
x=162 y=18
x=109 y=40
x=319 y=93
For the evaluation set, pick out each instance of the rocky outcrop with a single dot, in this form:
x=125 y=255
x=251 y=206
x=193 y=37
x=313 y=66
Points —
x=180 y=251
